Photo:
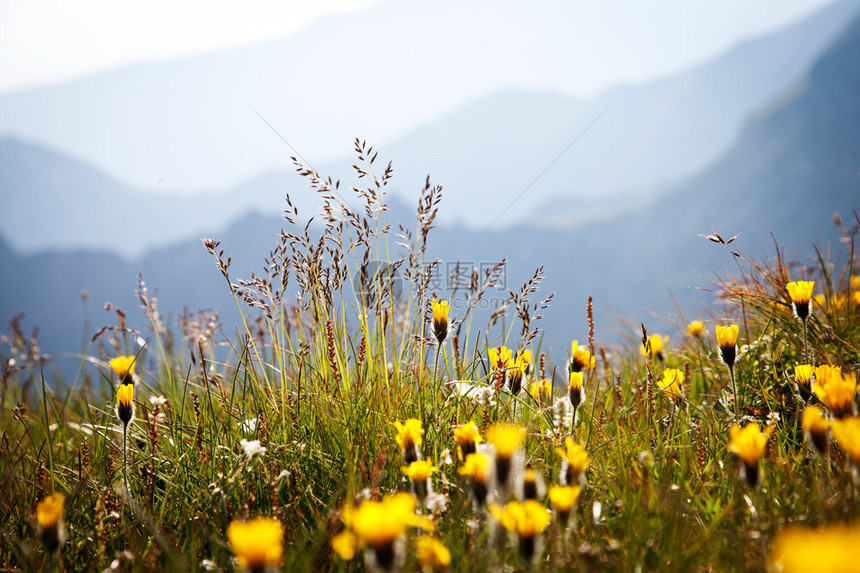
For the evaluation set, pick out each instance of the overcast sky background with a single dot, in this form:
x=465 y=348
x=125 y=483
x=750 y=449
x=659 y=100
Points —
x=50 y=41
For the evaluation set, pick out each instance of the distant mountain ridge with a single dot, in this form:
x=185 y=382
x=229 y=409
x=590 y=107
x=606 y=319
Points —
x=173 y=120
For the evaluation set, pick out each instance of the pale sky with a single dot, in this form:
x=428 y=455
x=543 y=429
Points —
x=50 y=41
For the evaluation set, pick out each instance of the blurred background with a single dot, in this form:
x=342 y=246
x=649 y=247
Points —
x=599 y=138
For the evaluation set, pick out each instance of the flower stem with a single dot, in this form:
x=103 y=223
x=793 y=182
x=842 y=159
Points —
x=735 y=392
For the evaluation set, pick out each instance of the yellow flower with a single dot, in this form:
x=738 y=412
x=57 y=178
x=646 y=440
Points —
x=345 y=544
x=49 y=515
x=563 y=498
x=49 y=511
x=855 y=282
x=257 y=543
x=507 y=438
x=540 y=389
x=727 y=338
x=580 y=358
x=467 y=437
x=830 y=548
x=654 y=346
x=378 y=524
x=846 y=431
x=440 y=319
x=125 y=403
x=815 y=425
x=477 y=468
x=575 y=392
x=836 y=390
x=124 y=368
x=527 y=519
x=517 y=368
x=800 y=293
x=696 y=328
x=500 y=357
x=577 y=461
x=432 y=554
x=803 y=374
x=749 y=444
x=530 y=483
x=672 y=383
x=420 y=470
x=409 y=437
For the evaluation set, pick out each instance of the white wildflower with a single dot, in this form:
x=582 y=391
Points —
x=252 y=448
x=157 y=401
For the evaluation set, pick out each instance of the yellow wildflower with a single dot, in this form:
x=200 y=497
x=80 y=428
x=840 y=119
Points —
x=727 y=338
x=836 y=390
x=125 y=403
x=432 y=554
x=576 y=460
x=563 y=499
x=420 y=470
x=124 y=368
x=654 y=346
x=467 y=437
x=672 y=383
x=846 y=431
x=258 y=543
x=576 y=394
x=829 y=548
x=500 y=357
x=580 y=358
x=749 y=444
x=440 y=319
x=49 y=516
x=815 y=425
x=409 y=437
x=696 y=328
x=507 y=439
x=800 y=293
x=541 y=389
x=527 y=519
x=477 y=467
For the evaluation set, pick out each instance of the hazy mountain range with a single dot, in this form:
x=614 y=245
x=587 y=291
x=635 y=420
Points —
x=794 y=164
x=192 y=123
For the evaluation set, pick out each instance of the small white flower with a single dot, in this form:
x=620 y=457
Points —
x=773 y=418
x=252 y=448
x=209 y=565
x=249 y=425
x=282 y=475
x=157 y=401
x=436 y=502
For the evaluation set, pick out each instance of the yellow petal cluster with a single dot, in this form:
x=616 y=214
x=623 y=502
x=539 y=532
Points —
x=468 y=433
x=409 y=433
x=123 y=366
x=576 y=457
x=563 y=498
x=420 y=470
x=828 y=548
x=672 y=383
x=654 y=345
x=257 y=543
x=431 y=553
x=803 y=374
x=476 y=467
x=440 y=318
x=727 y=336
x=506 y=438
x=380 y=523
x=749 y=443
x=500 y=357
x=835 y=390
x=49 y=511
x=580 y=358
x=800 y=292
x=696 y=328
x=526 y=519
x=846 y=432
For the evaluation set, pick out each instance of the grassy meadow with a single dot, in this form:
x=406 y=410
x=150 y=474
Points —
x=356 y=420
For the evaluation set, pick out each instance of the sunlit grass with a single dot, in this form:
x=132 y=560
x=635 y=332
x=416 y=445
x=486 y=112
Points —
x=373 y=428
